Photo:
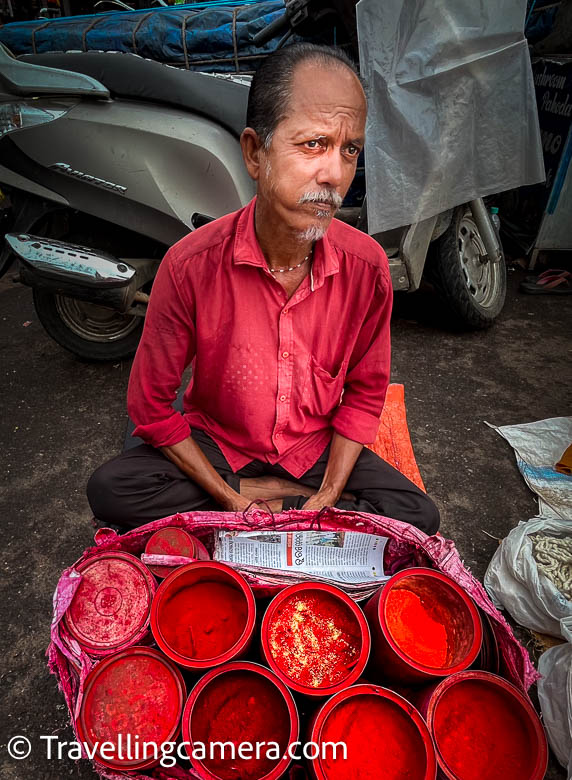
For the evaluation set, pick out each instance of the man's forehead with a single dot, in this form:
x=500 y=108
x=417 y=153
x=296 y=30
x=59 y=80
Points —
x=321 y=94
x=325 y=85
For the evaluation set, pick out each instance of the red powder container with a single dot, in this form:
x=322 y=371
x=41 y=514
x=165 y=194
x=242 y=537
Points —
x=132 y=697
x=423 y=626
x=483 y=726
x=111 y=607
x=385 y=736
x=315 y=638
x=237 y=703
x=174 y=541
x=203 y=615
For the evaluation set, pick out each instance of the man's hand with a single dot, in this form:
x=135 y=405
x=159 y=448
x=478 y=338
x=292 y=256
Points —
x=321 y=499
x=343 y=456
x=189 y=457
x=234 y=502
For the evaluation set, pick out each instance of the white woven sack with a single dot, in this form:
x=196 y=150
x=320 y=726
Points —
x=514 y=582
x=555 y=696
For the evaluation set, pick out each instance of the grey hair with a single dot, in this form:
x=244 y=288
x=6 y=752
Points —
x=271 y=88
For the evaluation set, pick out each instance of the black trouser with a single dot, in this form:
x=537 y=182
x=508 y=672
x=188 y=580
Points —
x=142 y=484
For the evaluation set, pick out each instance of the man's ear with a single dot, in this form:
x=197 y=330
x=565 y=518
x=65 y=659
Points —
x=251 y=151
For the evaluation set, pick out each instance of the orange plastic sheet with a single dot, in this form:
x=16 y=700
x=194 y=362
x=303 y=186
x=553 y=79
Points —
x=392 y=442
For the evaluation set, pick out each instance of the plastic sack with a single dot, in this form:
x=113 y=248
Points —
x=407 y=546
x=513 y=580
x=537 y=447
x=452 y=108
x=555 y=696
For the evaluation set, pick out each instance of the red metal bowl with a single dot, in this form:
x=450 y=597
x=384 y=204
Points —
x=219 y=682
x=112 y=605
x=397 y=733
x=178 y=586
x=132 y=697
x=449 y=605
x=494 y=720
x=350 y=608
x=174 y=541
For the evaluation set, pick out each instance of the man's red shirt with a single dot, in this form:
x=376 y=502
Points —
x=271 y=377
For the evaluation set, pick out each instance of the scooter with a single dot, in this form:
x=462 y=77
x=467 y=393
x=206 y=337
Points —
x=108 y=159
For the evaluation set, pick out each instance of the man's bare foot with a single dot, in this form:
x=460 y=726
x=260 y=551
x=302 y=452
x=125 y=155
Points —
x=272 y=487
x=269 y=488
x=275 y=504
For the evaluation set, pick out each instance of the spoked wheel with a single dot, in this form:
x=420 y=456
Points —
x=92 y=332
x=473 y=289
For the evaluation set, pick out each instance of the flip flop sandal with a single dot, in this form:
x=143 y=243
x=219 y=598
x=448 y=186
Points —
x=552 y=282
x=533 y=278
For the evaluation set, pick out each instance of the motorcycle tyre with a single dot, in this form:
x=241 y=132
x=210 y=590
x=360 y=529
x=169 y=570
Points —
x=92 y=351
x=444 y=271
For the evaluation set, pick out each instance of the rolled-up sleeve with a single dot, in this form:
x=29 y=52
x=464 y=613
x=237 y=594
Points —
x=166 y=348
x=357 y=416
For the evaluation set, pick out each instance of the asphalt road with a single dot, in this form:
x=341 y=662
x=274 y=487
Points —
x=61 y=418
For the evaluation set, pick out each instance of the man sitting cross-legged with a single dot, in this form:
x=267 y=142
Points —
x=284 y=312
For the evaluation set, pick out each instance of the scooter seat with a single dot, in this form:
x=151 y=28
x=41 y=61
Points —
x=130 y=76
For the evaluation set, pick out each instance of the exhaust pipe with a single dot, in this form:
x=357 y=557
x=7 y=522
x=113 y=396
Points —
x=78 y=271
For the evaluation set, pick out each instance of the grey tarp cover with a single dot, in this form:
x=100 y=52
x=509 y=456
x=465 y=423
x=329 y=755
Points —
x=452 y=112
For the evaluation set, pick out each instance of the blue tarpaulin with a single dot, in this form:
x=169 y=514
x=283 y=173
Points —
x=209 y=36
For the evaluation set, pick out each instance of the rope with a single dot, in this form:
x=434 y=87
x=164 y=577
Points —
x=37 y=29
x=553 y=557
x=223 y=60
x=136 y=30
x=184 y=34
x=234 y=41
x=85 y=32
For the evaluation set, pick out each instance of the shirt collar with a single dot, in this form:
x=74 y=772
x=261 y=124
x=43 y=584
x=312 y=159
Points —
x=247 y=250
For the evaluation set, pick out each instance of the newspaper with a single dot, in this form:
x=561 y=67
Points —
x=350 y=559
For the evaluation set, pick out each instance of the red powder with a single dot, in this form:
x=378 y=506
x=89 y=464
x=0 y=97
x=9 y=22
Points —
x=136 y=696
x=314 y=639
x=415 y=630
x=204 y=620
x=382 y=741
x=240 y=707
x=482 y=733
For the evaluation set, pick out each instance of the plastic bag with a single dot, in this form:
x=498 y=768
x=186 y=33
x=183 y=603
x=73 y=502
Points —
x=452 y=109
x=555 y=696
x=513 y=580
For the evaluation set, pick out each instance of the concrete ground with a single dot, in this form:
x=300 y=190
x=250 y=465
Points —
x=61 y=418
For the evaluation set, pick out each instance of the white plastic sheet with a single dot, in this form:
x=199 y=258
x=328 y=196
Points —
x=538 y=446
x=555 y=696
x=452 y=108
x=514 y=582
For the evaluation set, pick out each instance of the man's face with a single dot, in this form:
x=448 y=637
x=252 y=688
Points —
x=305 y=174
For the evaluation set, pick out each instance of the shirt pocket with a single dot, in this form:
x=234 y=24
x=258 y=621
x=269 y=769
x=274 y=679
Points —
x=322 y=391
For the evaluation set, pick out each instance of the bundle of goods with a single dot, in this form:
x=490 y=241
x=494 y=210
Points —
x=210 y=37
x=175 y=665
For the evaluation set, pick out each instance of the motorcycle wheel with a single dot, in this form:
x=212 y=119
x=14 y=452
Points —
x=474 y=292
x=91 y=332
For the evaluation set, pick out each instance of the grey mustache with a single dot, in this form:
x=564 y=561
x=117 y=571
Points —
x=330 y=197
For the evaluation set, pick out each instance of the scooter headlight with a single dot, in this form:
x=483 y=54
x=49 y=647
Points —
x=17 y=116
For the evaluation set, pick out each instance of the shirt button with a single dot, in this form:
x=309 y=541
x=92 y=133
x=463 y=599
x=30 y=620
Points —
x=282 y=397
x=285 y=355
x=285 y=311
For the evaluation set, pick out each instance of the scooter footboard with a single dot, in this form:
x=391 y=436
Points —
x=74 y=270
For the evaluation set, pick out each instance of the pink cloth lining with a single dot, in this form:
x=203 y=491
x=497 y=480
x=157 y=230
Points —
x=408 y=547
